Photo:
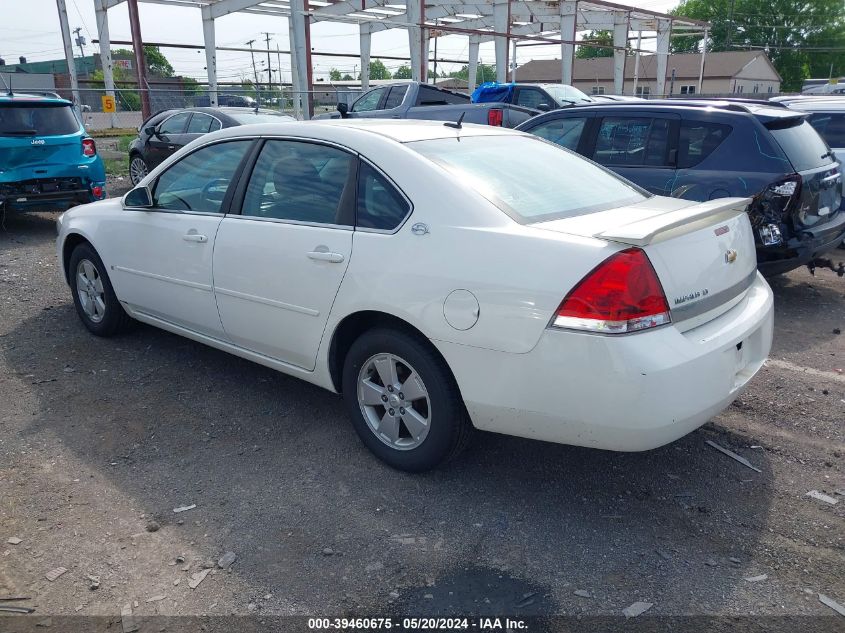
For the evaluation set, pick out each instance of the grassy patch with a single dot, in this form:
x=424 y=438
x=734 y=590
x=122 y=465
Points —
x=116 y=166
x=124 y=141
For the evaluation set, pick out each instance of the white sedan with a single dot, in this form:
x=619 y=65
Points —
x=441 y=278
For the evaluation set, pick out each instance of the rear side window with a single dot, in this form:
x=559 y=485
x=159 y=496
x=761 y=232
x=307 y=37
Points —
x=697 y=140
x=803 y=146
x=200 y=124
x=830 y=126
x=633 y=141
x=563 y=132
x=395 y=97
x=37 y=120
x=380 y=205
x=528 y=179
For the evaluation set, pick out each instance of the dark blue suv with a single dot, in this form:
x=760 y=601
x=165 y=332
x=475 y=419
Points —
x=701 y=150
x=47 y=160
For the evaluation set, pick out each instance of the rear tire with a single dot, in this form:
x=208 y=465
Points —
x=93 y=296
x=403 y=401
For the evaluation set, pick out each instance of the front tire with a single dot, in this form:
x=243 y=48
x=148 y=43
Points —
x=138 y=169
x=93 y=296
x=403 y=401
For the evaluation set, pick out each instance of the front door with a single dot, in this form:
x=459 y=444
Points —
x=169 y=137
x=278 y=266
x=160 y=259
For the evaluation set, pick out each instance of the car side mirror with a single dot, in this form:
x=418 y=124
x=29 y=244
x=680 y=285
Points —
x=343 y=108
x=150 y=130
x=139 y=198
x=544 y=107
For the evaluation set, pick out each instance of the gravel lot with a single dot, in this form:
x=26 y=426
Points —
x=101 y=439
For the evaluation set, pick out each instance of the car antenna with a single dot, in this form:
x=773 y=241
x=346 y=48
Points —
x=8 y=85
x=457 y=124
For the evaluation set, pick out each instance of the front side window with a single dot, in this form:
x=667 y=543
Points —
x=175 y=124
x=369 y=101
x=199 y=182
x=299 y=181
x=379 y=204
x=565 y=132
x=633 y=141
x=530 y=180
x=697 y=140
x=531 y=98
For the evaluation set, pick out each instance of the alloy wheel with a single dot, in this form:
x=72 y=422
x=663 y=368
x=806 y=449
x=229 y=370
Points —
x=89 y=289
x=394 y=401
x=137 y=170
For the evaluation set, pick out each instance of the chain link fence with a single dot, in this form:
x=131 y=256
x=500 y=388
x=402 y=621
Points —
x=127 y=102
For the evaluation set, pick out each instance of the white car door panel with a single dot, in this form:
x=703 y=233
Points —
x=278 y=266
x=162 y=257
x=275 y=295
x=166 y=270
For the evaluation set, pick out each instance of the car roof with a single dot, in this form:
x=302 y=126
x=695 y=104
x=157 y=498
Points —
x=760 y=110
x=23 y=97
x=402 y=131
x=819 y=105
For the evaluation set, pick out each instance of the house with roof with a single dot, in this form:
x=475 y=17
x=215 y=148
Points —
x=747 y=73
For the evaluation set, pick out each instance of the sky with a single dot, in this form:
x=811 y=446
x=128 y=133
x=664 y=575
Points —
x=30 y=28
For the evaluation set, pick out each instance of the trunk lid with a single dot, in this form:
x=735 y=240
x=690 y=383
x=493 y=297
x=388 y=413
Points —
x=703 y=253
x=36 y=138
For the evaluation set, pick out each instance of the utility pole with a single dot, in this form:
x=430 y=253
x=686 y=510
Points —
x=269 y=68
x=254 y=71
x=80 y=40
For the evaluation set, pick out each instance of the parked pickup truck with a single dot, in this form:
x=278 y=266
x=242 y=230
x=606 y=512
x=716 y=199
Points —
x=542 y=97
x=413 y=100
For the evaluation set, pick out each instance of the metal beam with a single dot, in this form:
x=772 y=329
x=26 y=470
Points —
x=365 y=45
x=567 y=32
x=501 y=19
x=209 y=39
x=472 y=67
x=664 y=33
x=299 y=50
x=68 y=46
x=620 y=42
x=102 y=15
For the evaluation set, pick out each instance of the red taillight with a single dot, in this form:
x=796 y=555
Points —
x=97 y=190
x=495 y=116
x=88 y=147
x=620 y=295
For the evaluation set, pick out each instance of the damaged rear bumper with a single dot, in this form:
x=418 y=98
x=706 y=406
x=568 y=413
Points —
x=802 y=249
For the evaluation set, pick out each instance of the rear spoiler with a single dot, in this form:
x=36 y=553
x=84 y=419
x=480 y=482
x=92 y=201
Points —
x=643 y=232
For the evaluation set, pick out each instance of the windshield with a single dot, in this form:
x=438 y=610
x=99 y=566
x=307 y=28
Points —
x=245 y=118
x=803 y=146
x=565 y=95
x=18 y=119
x=529 y=179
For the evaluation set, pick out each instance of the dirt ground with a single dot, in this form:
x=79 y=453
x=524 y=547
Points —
x=100 y=439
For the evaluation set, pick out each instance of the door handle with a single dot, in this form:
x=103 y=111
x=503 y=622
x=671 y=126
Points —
x=195 y=237
x=326 y=256
x=171 y=147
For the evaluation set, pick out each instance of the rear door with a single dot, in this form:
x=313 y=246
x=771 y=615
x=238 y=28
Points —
x=642 y=147
x=278 y=265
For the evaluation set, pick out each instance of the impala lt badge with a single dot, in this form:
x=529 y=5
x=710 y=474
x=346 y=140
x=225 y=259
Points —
x=730 y=256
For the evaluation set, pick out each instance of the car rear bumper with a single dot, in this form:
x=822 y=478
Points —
x=49 y=194
x=625 y=393
x=802 y=249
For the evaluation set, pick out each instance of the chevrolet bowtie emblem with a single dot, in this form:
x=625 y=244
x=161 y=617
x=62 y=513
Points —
x=730 y=256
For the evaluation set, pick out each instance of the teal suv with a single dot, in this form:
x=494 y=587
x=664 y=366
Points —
x=47 y=160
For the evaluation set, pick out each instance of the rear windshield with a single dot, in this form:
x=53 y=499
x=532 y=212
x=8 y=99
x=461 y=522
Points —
x=529 y=179
x=245 y=118
x=802 y=145
x=18 y=119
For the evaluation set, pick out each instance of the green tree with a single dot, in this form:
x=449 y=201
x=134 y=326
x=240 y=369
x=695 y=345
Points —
x=585 y=51
x=347 y=77
x=378 y=70
x=803 y=38
x=157 y=63
x=484 y=72
x=403 y=72
x=334 y=75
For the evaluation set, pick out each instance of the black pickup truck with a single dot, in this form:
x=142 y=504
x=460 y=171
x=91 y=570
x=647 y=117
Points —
x=414 y=100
